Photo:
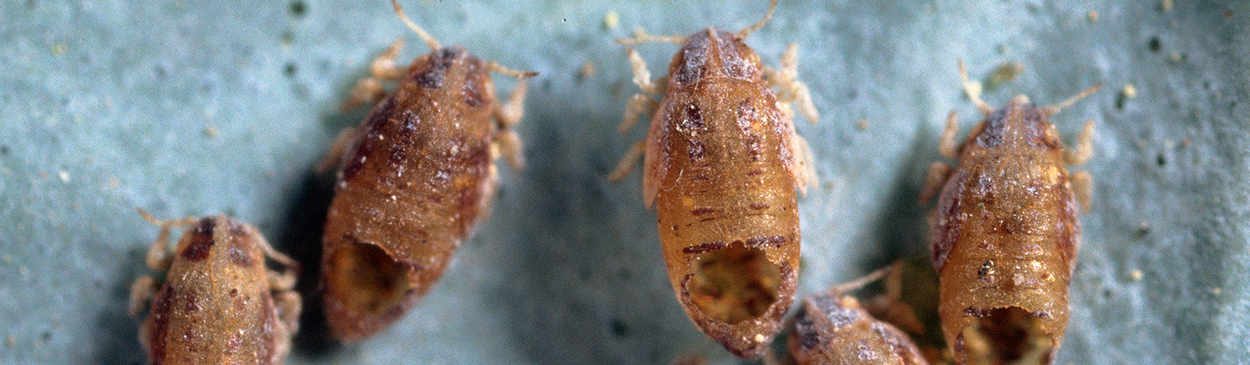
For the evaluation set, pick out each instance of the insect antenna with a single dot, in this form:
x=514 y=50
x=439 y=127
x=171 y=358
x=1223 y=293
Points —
x=641 y=36
x=429 y=39
x=973 y=89
x=760 y=24
x=1050 y=110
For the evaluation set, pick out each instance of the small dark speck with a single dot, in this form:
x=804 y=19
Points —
x=1106 y=293
x=46 y=335
x=1161 y=160
x=1155 y=44
x=619 y=329
x=289 y=70
x=4 y=150
x=298 y=8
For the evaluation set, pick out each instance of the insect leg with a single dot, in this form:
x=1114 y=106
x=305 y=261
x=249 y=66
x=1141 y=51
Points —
x=1083 y=187
x=947 y=145
x=640 y=104
x=383 y=68
x=934 y=179
x=628 y=161
x=158 y=257
x=1084 y=146
x=790 y=89
x=335 y=155
x=973 y=89
x=141 y=291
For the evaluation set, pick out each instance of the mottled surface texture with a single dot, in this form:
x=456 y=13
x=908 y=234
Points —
x=187 y=108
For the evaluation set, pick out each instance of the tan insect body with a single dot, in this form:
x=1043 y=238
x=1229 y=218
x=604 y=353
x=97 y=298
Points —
x=219 y=303
x=1006 y=232
x=415 y=177
x=722 y=163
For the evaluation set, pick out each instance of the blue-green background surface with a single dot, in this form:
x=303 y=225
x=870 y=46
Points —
x=106 y=106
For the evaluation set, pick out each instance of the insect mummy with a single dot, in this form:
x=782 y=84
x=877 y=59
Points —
x=722 y=163
x=1005 y=233
x=219 y=303
x=833 y=328
x=414 y=179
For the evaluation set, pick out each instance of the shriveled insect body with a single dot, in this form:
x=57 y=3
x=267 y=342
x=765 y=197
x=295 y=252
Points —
x=1006 y=235
x=719 y=167
x=415 y=177
x=721 y=164
x=219 y=303
x=833 y=329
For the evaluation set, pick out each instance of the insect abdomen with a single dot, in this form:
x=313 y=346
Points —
x=727 y=212
x=415 y=182
x=1006 y=235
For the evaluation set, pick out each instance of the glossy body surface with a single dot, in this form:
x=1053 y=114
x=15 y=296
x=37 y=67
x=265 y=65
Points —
x=835 y=330
x=721 y=166
x=414 y=179
x=1006 y=234
x=720 y=170
x=219 y=303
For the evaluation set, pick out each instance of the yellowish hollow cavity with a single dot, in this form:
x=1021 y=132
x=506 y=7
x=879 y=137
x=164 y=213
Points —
x=734 y=284
x=1007 y=336
x=367 y=280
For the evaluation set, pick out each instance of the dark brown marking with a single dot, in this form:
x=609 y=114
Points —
x=268 y=331
x=693 y=118
x=366 y=143
x=693 y=64
x=240 y=252
x=755 y=172
x=697 y=152
x=160 y=324
x=975 y=312
x=759 y=206
x=192 y=305
x=775 y=241
x=700 y=177
x=702 y=210
x=201 y=243
x=474 y=89
x=704 y=247
x=440 y=61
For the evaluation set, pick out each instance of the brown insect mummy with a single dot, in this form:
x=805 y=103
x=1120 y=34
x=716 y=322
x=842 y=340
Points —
x=833 y=328
x=414 y=178
x=1005 y=233
x=722 y=163
x=219 y=303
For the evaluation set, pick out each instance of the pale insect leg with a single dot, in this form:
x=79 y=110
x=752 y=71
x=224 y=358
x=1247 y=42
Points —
x=628 y=161
x=1084 y=148
x=1083 y=188
x=947 y=144
x=335 y=155
x=158 y=257
x=973 y=89
x=937 y=175
x=790 y=89
x=141 y=291
x=383 y=68
x=805 y=171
